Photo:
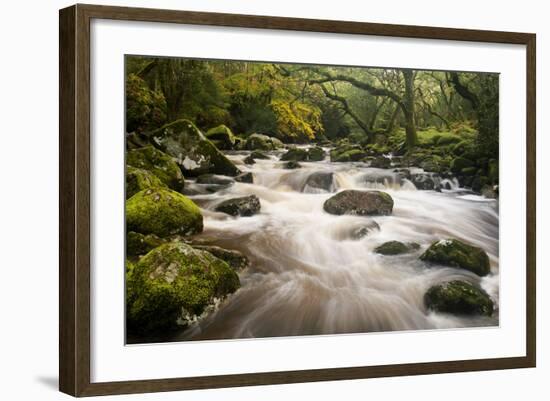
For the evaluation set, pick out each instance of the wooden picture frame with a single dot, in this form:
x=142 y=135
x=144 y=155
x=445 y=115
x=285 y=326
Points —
x=74 y=203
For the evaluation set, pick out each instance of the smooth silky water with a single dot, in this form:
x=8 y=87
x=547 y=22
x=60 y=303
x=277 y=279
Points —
x=308 y=273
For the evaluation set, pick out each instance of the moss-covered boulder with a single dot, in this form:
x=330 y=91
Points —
x=295 y=154
x=347 y=153
x=459 y=298
x=316 y=154
x=262 y=142
x=193 y=152
x=172 y=284
x=162 y=212
x=243 y=206
x=138 y=179
x=222 y=137
x=235 y=259
x=396 y=248
x=140 y=244
x=455 y=253
x=158 y=163
x=364 y=203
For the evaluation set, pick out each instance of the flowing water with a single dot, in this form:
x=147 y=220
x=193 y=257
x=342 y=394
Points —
x=309 y=272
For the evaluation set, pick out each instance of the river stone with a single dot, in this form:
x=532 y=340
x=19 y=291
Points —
x=256 y=154
x=139 y=244
x=381 y=162
x=459 y=298
x=364 y=230
x=364 y=203
x=138 y=179
x=262 y=142
x=316 y=154
x=423 y=181
x=194 y=153
x=249 y=160
x=172 y=284
x=243 y=206
x=245 y=177
x=162 y=212
x=222 y=137
x=214 y=179
x=323 y=180
x=235 y=259
x=396 y=248
x=291 y=165
x=455 y=253
x=158 y=163
x=295 y=154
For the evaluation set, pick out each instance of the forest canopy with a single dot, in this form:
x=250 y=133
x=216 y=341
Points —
x=311 y=103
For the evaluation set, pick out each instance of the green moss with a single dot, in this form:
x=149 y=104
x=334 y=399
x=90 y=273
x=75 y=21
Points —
x=193 y=152
x=295 y=154
x=262 y=142
x=316 y=154
x=138 y=179
x=173 y=283
x=222 y=137
x=235 y=259
x=493 y=171
x=140 y=244
x=162 y=212
x=468 y=171
x=347 y=153
x=460 y=163
x=396 y=248
x=455 y=253
x=460 y=298
x=158 y=163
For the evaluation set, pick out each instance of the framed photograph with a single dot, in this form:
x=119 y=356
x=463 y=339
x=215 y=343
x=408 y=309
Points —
x=250 y=200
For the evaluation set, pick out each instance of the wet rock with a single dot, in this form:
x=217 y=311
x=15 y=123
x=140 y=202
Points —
x=245 y=177
x=364 y=230
x=235 y=259
x=323 y=180
x=295 y=154
x=362 y=203
x=455 y=253
x=490 y=191
x=256 y=154
x=214 y=179
x=347 y=153
x=291 y=165
x=396 y=248
x=381 y=162
x=243 y=206
x=249 y=160
x=459 y=298
x=162 y=212
x=316 y=154
x=423 y=181
x=193 y=152
x=172 y=284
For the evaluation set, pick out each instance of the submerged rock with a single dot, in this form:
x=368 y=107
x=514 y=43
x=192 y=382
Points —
x=194 y=153
x=162 y=212
x=172 y=284
x=243 y=206
x=323 y=180
x=455 y=253
x=222 y=137
x=364 y=230
x=291 y=165
x=459 y=298
x=396 y=248
x=214 y=179
x=262 y=142
x=235 y=259
x=138 y=179
x=158 y=163
x=359 y=203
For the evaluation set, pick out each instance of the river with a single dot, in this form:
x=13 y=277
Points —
x=309 y=272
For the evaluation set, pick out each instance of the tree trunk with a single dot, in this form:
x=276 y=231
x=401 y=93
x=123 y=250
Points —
x=408 y=110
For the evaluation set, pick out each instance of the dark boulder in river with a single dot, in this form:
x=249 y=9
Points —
x=295 y=154
x=292 y=164
x=236 y=260
x=459 y=298
x=455 y=253
x=423 y=181
x=381 y=162
x=363 y=203
x=244 y=206
x=172 y=284
x=245 y=177
x=396 y=248
x=214 y=179
x=320 y=180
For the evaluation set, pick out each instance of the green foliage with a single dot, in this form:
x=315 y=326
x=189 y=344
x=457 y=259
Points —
x=297 y=122
x=145 y=108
